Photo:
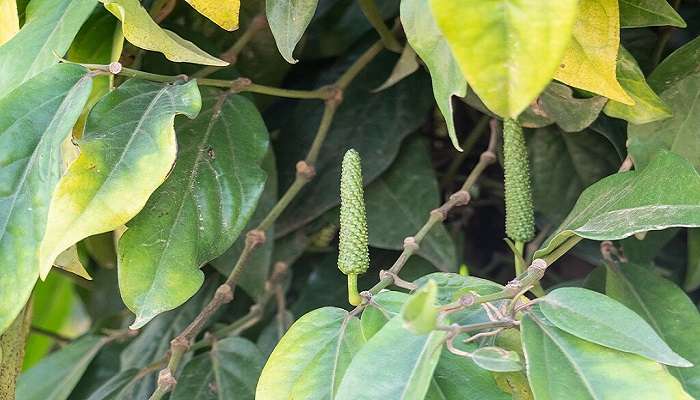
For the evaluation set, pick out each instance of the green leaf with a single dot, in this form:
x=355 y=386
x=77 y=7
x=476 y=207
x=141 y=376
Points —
x=692 y=275
x=497 y=359
x=570 y=113
x=677 y=81
x=648 y=107
x=427 y=40
x=199 y=211
x=589 y=62
x=56 y=375
x=253 y=278
x=12 y=343
x=667 y=309
x=507 y=50
x=407 y=363
x=9 y=20
x=599 y=319
x=288 y=20
x=452 y=286
x=459 y=378
x=384 y=306
x=664 y=194
x=585 y=370
x=419 y=313
x=405 y=66
x=223 y=13
x=639 y=13
x=34 y=120
x=312 y=357
x=48 y=30
x=391 y=115
x=116 y=387
x=126 y=152
x=399 y=202
x=566 y=164
x=141 y=31
x=229 y=371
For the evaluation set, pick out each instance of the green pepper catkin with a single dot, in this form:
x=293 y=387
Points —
x=520 y=220
x=353 y=256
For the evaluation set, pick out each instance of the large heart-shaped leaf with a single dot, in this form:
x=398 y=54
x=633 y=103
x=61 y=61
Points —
x=427 y=40
x=229 y=371
x=639 y=13
x=589 y=62
x=141 y=31
x=677 y=81
x=585 y=370
x=56 y=375
x=223 y=12
x=126 y=152
x=34 y=120
x=48 y=30
x=648 y=107
x=399 y=202
x=312 y=357
x=597 y=318
x=407 y=364
x=288 y=20
x=508 y=50
x=666 y=308
x=199 y=210
x=664 y=194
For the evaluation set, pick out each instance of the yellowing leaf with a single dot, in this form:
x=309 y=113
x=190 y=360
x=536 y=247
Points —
x=126 y=152
x=508 y=50
x=69 y=261
x=223 y=12
x=9 y=21
x=591 y=59
x=141 y=31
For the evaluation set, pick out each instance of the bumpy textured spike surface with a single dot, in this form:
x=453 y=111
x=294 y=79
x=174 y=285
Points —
x=353 y=257
x=520 y=220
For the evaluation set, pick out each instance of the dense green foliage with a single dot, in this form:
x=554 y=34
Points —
x=512 y=188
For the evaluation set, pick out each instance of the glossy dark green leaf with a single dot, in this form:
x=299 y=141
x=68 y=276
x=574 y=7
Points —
x=585 y=370
x=566 y=164
x=667 y=309
x=638 y=13
x=229 y=371
x=419 y=312
x=497 y=359
x=648 y=107
x=399 y=202
x=459 y=378
x=372 y=124
x=48 y=30
x=570 y=113
x=677 y=82
x=34 y=120
x=127 y=151
x=273 y=333
x=692 y=275
x=407 y=364
x=312 y=357
x=253 y=278
x=199 y=210
x=385 y=306
x=56 y=375
x=427 y=40
x=664 y=194
x=288 y=20
x=599 y=319
x=117 y=387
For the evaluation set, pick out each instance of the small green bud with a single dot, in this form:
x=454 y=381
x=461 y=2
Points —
x=520 y=219
x=353 y=256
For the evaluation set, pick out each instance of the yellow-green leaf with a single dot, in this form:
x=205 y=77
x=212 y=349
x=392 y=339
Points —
x=590 y=61
x=9 y=21
x=223 y=12
x=508 y=50
x=141 y=31
x=126 y=152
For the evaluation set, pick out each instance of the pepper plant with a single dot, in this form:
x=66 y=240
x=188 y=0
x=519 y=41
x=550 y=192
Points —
x=510 y=186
